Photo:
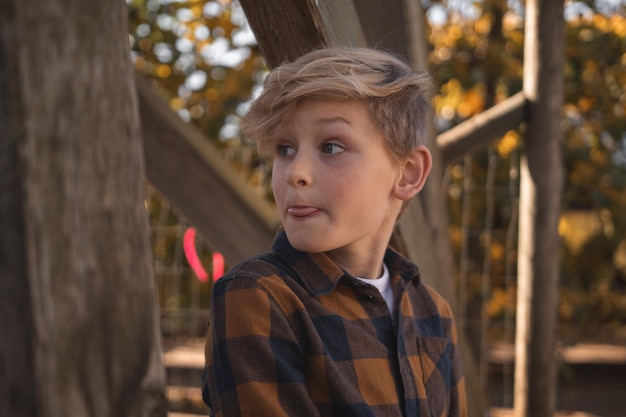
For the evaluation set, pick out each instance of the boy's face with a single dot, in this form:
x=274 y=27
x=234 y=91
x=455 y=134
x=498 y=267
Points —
x=333 y=180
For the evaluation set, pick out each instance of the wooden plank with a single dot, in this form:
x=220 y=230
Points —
x=274 y=21
x=341 y=23
x=541 y=182
x=80 y=324
x=287 y=29
x=191 y=172
x=384 y=25
x=482 y=129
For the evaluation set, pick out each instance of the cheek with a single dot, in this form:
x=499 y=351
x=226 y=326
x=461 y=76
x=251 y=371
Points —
x=278 y=182
x=336 y=184
x=348 y=193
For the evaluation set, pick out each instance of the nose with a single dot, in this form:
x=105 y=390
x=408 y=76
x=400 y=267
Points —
x=299 y=172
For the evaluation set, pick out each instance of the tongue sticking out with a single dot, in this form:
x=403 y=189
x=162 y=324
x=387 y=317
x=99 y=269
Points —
x=302 y=211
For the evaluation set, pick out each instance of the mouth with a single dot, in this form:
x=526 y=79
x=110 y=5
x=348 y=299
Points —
x=302 y=212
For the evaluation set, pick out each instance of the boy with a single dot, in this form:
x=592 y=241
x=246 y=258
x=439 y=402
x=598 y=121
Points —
x=333 y=322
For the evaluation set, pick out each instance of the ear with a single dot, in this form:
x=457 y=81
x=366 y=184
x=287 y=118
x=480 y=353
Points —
x=413 y=174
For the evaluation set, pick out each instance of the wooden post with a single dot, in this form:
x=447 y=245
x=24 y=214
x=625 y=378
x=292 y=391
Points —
x=540 y=193
x=433 y=252
x=80 y=330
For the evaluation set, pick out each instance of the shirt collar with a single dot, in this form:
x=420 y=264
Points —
x=320 y=275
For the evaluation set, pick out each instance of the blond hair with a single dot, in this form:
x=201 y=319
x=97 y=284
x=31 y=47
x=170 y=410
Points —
x=398 y=98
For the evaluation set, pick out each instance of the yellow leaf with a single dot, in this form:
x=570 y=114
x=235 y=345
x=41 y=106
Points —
x=508 y=143
x=177 y=104
x=482 y=25
x=163 y=71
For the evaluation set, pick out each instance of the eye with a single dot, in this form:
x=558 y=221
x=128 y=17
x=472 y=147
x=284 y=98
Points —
x=332 y=148
x=283 y=151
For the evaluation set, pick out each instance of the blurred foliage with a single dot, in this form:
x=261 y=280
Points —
x=476 y=58
x=203 y=59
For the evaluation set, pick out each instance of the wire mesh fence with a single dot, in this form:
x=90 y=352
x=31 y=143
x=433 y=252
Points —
x=183 y=298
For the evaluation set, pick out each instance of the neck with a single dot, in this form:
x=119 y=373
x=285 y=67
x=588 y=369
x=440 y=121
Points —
x=364 y=264
x=365 y=258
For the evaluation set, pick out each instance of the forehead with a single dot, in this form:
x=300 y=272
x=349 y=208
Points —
x=328 y=113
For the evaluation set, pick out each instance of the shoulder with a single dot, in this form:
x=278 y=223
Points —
x=265 y=274
x=255 y=269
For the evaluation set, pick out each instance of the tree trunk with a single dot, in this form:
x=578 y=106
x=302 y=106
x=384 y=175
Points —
x=540 y=193
x=80 y=330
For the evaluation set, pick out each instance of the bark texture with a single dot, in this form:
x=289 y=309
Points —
x=77 y=294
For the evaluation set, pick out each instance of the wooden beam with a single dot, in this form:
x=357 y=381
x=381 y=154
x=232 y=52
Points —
x=541 y=183
x=274 y=21
x=383 y=25
x=431 y=246
x=287 y=29
x=482 y=129
x=191 y=173
x=341 y=23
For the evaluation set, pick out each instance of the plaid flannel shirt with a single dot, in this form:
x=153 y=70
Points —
x=292 y=334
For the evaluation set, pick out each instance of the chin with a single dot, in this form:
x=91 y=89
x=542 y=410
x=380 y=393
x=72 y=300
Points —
x=304 y=243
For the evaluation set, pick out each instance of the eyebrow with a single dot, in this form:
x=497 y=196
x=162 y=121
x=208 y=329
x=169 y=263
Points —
x=332 y=120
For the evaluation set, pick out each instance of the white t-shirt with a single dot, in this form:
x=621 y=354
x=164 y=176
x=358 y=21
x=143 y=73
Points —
x=384 y=287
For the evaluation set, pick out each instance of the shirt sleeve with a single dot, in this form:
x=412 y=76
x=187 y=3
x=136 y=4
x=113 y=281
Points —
x=255 y=366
